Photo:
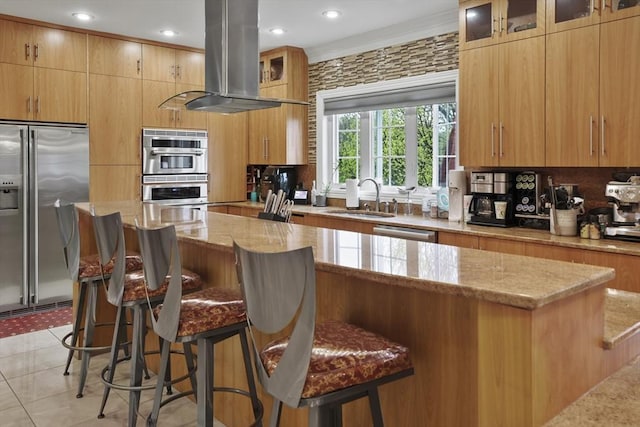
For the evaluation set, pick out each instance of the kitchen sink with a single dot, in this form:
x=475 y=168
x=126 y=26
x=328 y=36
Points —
x=360 y=212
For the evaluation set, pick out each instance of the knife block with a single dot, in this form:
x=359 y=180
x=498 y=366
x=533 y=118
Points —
x=271 y=217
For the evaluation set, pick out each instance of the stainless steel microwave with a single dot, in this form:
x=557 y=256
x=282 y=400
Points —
x=168 y=151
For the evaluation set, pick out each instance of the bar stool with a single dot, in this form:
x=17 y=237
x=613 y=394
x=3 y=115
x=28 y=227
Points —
x=89 y=273
x=128 y=291
x=205 y=317
x=320 y=366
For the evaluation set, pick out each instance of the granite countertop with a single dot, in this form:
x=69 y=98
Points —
x=510 y=233
x=488 y=276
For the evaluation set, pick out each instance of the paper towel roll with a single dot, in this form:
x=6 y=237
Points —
x=352 y=194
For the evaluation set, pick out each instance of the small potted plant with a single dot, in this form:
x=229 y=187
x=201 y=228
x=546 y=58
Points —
x=321 y=198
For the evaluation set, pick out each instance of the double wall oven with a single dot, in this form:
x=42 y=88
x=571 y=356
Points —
x=174 y=167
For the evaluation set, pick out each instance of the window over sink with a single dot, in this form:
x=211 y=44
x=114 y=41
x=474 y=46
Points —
x=400 y=132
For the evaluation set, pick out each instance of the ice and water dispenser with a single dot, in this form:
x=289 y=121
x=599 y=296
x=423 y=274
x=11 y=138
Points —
x=9 y=194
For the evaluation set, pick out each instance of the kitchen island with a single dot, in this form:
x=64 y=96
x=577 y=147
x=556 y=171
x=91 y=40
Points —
x=496 y=339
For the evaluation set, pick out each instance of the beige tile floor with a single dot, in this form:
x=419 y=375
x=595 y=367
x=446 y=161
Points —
x=33 y=391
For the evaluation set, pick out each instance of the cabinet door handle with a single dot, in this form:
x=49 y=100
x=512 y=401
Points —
x=178 y=73
x=501 y=23
x=37 y=105
x=493 y=26
x=27 y=50
x=501 y=129
x=265 y=147
x=35 y=52
x=178 y=117
x=602 y=133
x=493 y=133
x=173 y=71
x=29 y=104
x=138 y=66
x=591 y=135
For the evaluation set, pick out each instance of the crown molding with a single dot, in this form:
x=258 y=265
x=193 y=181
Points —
x=416 y=29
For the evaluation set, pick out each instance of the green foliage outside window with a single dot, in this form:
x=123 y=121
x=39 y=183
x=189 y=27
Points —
x=388 y=145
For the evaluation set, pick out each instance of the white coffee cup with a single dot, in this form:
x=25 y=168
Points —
x=501 y=209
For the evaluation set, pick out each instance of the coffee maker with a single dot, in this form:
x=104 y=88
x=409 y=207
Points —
x=624 y=197
x=277 y=178
x=492 y=201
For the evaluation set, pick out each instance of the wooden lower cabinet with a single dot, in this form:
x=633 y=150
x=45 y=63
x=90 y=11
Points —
x=458 y=239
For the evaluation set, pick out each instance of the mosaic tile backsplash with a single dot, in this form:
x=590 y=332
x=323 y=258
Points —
x=438 y=53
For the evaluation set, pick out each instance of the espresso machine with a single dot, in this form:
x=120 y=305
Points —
x=492 y=201
x=624 y=198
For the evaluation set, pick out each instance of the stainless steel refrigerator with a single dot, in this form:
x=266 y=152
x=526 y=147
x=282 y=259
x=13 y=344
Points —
x=38 y=165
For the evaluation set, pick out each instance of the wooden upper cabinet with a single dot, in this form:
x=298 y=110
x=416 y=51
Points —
x=189 y=67
x=167 y=72
x=153 y=94
x=522 y=103
x=487 y=22
x=25 y=44
x=159 y=63
x=285 y=66
x=115 y=57
x=279 y=135
x=502 y=107
x=478 y=108
x=59 y=49
x=171 y=65
x=115 y=115
x=565 y=15
x=620 y=92
x=572 y=97
x=16 y=87
x=44 y=72
x=60 y=96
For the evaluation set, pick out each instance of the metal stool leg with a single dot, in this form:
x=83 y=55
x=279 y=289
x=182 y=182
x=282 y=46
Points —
x=325 y=416
x=374 y=404
x=152 y=420
x=275 y=413
x=137 y=363
x=113 y=360
x=188 y=355
x=204 y=393
x=253 y=393
x=89 y=322
x=77 y=324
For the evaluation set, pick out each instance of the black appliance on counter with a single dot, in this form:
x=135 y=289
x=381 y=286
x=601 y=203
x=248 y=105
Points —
x=277 y=178
x=487 y=188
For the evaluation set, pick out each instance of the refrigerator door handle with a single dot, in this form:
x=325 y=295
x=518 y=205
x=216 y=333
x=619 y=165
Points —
x=24 y=153
x=33 y=209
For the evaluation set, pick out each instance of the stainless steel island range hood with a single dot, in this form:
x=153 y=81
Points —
x=232 y=61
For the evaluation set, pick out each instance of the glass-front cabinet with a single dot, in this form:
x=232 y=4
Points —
x=273 y=67
x=567 y=14
x=485 y=22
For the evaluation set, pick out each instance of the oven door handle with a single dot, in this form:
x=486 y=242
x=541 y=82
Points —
x=157 y=152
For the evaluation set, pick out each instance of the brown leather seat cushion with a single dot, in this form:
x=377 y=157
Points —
x=343 y=355
x=136 y=289
x=90 y=265
x=209 y=309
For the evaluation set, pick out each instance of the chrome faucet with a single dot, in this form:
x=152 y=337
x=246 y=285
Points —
x=377 y=191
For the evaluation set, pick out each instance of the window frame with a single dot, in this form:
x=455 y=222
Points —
x=325 y=129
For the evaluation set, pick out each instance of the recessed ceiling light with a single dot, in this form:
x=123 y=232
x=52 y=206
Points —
x=277 y=31
x=169 y=33
x=82 y=16
x=331 y=14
